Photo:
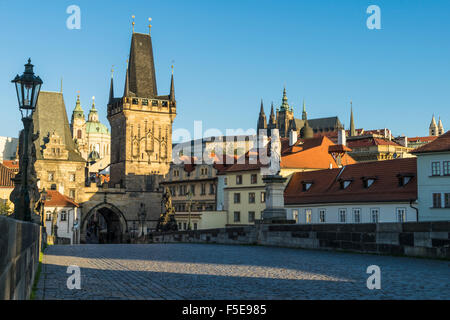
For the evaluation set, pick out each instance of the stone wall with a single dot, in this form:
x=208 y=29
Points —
x=423 y=239
x=19 y=258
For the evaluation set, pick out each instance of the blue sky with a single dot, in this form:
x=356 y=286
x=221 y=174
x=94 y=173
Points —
x=230 y=54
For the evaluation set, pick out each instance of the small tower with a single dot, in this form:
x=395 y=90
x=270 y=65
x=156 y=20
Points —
x=352 y=121
x=272 y=120
x=440 y=127
x=93 y=113
x=304 y=114
x=78 y=121
x=284 y=116
x=262 y=121
x=306 y=132
x=433 y=129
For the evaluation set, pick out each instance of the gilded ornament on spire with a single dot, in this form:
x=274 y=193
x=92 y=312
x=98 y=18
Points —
x=133 y=22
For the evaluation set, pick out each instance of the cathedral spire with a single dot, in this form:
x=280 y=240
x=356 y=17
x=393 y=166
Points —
x=440 y=127
x=433 y=127
x=284 y=104
x=262 y=121
x=352 y=122
x=304 y=114
x=272 y=119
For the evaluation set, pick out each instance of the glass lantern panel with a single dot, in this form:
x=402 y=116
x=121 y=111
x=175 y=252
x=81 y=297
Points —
x=37 y=89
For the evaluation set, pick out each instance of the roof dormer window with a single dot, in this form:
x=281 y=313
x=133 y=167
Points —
x=345 y=183
x=404 y=179
x=368 y=181
x=306 y=185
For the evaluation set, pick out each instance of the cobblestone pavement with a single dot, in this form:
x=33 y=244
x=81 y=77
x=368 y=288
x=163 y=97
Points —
x=197 y=271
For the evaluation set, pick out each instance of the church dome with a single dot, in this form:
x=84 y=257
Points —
x=96 y=127
x=306 y=132
x=93 y=156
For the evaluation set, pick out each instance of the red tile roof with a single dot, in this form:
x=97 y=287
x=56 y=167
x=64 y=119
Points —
x=12 y=165
x=370 y=141
x=442 y=143
x=422 y=139
x=56 y=199
x=6 y=176
x=305 y=154
x=326 y=184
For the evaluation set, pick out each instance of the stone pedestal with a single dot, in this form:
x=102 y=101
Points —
x=275 y=211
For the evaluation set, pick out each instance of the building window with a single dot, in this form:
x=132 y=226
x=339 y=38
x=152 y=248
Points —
x=239 y=179
x=195 y=225
x=447 y=200
x=435 y=169
x=437 y=200
x=375 y=215
x=322 y=215
x=251 y=216
x=263 y=197
x=72 y=193
x=446 y=166
x=181 y=190
x=225 y=181
x=63 y=216
x=48 y=216
x=237 y=216
x=254 y=179
x=211 y=188
x=237 y=198
x=79 y=134
x=193 y=189
x=72 y=177
x=342 y=215
x=295 y=215
x=251 y=197
x=51 y=176
x=185 y=226
x=179 y=225
x=356 y=215
x=308 y=215
x=401 y=214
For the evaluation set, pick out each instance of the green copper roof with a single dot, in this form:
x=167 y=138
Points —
x=78 y=111
x=96 y=127
x=284 y=104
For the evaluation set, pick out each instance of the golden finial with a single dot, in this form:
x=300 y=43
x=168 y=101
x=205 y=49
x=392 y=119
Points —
x=172 y=69
x=133 y=22
x=149 y=25
x=78 y=94
x=112 y=71
x=93 y=100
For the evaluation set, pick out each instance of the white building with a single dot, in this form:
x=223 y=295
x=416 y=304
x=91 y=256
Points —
x=433 y=174
x=369 y=192
x=8 y=148
x=65 y=213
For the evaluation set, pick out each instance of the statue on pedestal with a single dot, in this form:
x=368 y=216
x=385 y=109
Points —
x=167 y=218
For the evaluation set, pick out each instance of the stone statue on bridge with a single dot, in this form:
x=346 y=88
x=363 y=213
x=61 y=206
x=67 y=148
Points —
x=167 y=218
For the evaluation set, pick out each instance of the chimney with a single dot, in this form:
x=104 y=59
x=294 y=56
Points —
x=292 y=137
x=342 y=139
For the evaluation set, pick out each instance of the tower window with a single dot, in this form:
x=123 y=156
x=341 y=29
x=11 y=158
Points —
x=79 y=134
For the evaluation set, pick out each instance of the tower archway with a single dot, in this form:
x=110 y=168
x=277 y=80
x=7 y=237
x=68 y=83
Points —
x=104 y=223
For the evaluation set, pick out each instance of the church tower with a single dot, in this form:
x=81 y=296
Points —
x=78 y=125
x=440 y=127
x=262 y=121
x=284 y=116
x=141 y=122
x=433 y=129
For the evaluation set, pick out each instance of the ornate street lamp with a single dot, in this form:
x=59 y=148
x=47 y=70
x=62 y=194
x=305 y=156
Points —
x=28 y=87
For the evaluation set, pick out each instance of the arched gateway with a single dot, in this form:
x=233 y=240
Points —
x=104 y=223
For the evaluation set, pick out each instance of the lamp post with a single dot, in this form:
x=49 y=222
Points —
x=43 y=198
x=28 y=87
x=189 y=197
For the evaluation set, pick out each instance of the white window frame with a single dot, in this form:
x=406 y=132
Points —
x=354 y=211
x=403 y=216
x=308 y=215
x=438 y=167
x=342 y=210
x=324 y=212
x=295 y=215
x=372 y=210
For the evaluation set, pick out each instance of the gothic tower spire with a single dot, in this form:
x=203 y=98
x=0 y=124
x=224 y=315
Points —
x=304 y=114
x=433 y=130
x=111 y=88
x=262 y=121
x=352 y=122
x=172 y=88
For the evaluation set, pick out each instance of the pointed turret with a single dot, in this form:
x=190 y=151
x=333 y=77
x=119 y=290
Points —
x=172 y=89
x=93 y=113
x=272 y=118
x=433 y=130
x=126 y=90
x=111 y=89
x=440 y=127
x=78 y=112
x=284 y=102
x=304 y=114
x=262 y=120
x=352 y=122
